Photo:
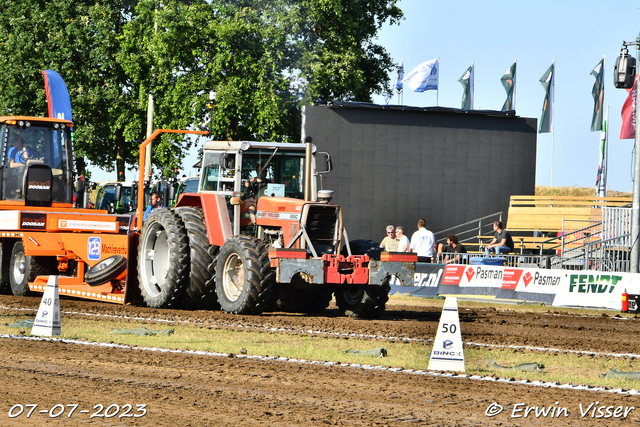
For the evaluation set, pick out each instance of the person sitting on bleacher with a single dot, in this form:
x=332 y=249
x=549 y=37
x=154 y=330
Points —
x=502 y=242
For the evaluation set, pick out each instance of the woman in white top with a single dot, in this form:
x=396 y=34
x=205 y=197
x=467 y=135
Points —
x=404 y=245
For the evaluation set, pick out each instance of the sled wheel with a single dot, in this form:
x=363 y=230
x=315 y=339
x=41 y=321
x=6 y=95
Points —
x=105 y=270
x=200 y=291
x=296 y=300
x=243 y=276
x=163 y=256
x=362 y=301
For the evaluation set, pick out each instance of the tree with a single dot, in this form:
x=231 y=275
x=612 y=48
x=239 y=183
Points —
x=248 y=51
x=79 y=41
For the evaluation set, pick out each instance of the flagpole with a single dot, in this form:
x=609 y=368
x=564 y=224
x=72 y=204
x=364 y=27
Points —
x=553 y=115
x=473 y=71
x=606 y=152
x=514 y=85
x=438 y=83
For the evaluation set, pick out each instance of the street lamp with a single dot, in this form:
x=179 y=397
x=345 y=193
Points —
x=624 y=74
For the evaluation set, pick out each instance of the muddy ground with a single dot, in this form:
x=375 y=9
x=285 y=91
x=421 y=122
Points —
x=196 y=390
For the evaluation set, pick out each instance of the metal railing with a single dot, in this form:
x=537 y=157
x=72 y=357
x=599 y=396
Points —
x=470 y=230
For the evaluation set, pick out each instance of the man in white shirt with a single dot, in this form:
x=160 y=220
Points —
x=422 y=242
x=404 y=244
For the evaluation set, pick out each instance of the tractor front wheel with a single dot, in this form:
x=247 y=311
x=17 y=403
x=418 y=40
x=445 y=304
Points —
x=243 y=276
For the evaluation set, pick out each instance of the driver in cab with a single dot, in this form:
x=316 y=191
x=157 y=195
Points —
x=253 y=186
x=18 y=154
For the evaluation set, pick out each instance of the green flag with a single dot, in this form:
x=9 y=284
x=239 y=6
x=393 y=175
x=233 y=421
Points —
x=467 y=83
x=598 y=96
x=509 y=83
x=547 y=82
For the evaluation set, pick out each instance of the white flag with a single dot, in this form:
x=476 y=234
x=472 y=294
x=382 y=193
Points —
x=423 y=77
x=397 y=81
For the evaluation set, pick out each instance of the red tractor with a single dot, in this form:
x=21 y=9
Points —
x=258 y=235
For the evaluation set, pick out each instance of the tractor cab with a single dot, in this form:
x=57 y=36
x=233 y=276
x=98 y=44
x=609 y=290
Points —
x=243 y=172
x=37 y=161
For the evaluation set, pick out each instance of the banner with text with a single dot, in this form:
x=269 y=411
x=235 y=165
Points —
x=425 y=281
x=596 y=289
x=527 y=284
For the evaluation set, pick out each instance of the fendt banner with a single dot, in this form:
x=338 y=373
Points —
x=598 y=289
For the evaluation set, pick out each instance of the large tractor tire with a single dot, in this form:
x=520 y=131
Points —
x=362 y=301
x=163 y=260
x=6 y=247
x=24 y=269
x=243 y=276
x=296 y=300
x=201 y=288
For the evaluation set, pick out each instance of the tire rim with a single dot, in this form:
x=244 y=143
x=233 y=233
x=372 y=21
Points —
x=155 y=261
x=233 y=277
x=19 y=267
x=102 y=265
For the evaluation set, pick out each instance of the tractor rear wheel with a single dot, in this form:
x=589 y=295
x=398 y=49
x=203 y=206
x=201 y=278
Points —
x=163 y=259
x=362 y=301
x=243 y=276
x=24 y=269
x=201 y=288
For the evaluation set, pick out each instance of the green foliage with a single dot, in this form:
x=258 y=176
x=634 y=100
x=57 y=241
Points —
x=575 y=192
x=112 y=58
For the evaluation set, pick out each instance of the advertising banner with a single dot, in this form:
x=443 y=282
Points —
x=425 y=281
x=527 y=284
x=596 y=289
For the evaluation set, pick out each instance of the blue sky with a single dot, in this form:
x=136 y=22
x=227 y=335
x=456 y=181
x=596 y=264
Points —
x=577 y=34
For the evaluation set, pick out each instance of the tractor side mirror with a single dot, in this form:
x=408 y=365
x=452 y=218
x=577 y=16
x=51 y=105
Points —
x=323 y=163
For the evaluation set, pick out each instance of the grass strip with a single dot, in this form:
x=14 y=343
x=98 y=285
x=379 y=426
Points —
x=564 y=368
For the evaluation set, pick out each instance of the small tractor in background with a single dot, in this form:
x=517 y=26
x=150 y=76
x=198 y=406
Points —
x=254 y=234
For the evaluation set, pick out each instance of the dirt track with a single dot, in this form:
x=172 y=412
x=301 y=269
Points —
x=196 y=390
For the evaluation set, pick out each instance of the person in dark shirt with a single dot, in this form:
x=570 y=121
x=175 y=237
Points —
x=453 y=247
x=502 y=241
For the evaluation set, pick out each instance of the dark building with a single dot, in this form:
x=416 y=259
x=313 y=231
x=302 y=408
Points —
x=396 y=164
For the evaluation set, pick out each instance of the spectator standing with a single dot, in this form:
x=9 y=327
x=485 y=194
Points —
x=154 y=202
x=502 y=241
x=404 y=245
x=453 y=247
x=422 y=242
x=390 y=242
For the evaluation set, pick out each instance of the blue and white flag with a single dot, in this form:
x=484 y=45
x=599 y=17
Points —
x=423 y=77
x=397 y=81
